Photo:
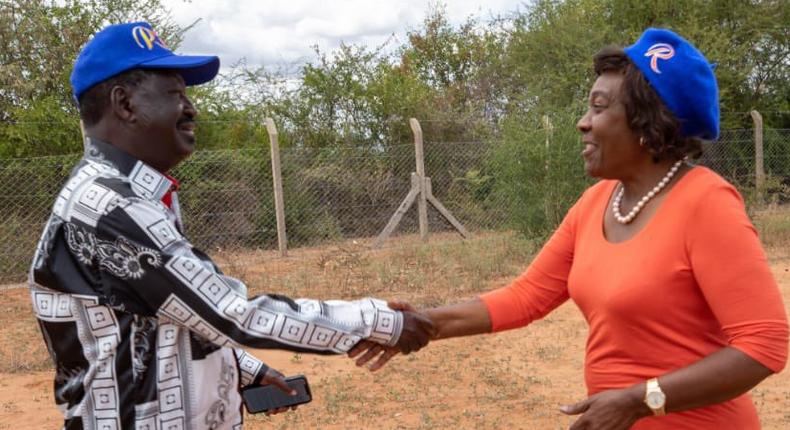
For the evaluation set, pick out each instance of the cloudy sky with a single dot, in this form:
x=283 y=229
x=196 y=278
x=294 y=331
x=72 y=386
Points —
x=280 y=33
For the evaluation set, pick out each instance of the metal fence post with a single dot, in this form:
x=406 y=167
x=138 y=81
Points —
x=277 y=181
x=422 y=202
x=759 y=167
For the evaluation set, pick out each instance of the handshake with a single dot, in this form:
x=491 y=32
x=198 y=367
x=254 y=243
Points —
x=418 y=330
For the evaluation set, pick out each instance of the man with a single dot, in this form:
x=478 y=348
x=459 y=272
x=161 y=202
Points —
x=144 y=330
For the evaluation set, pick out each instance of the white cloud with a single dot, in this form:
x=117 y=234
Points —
x=276 y=32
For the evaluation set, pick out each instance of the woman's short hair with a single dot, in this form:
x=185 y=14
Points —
x=647 y=115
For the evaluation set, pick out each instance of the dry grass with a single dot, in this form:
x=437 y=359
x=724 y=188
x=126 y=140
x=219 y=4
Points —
x=774 y=227
x=510 y=380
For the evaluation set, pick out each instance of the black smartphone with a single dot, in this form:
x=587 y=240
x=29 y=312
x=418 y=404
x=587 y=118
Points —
x=263 y=398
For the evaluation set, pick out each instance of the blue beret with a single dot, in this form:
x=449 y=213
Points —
x=121 y=47
x=683 y=79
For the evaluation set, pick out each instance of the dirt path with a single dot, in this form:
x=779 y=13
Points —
x=513 y=380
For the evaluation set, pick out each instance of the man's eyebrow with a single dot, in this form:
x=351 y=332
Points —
x=176 y=85
x=174 y=76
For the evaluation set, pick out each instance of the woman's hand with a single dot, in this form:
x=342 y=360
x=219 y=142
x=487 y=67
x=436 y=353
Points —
x=464 y=319
x=373 y=350
x=609 y=410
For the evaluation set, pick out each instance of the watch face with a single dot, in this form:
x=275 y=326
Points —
x=655 y=400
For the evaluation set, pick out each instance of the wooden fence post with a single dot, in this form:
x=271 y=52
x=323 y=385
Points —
x=398 y=215
x=443 y=210
x=421 y=191
x=759 y=163
x=277 y=181
x=547 y=127
x=422 y=203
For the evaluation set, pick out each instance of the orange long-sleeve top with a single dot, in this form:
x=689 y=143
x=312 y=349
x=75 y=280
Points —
x=693 y=280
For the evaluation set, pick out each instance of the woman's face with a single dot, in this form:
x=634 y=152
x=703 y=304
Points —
x=611 y=149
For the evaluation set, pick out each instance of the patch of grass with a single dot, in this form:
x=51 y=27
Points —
x=549 y=352
x=23 y=349
x=774 y=227
x=341 y=396
x=420 y=273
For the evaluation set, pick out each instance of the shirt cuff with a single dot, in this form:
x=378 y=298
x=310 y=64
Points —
x=387 y=323
x=251 y=370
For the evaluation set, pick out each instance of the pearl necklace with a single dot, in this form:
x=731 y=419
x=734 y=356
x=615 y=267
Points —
x=625 y=219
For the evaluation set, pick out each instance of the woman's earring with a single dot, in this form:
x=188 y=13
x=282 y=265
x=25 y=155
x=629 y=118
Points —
x=642 y=141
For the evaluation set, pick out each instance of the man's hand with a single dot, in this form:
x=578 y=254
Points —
x=608 y=410
x=277 y=379
x=373 y=350
x=421 y=330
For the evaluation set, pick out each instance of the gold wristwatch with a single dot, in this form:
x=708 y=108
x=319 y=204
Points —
x=655 y=399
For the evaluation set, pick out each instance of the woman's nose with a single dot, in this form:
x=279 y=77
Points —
x=584 y=123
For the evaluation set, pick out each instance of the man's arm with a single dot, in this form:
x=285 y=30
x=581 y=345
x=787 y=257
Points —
x=251 y=370
x=147 y=265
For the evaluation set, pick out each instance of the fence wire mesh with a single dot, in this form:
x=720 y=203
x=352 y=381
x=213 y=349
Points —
x=227 y=199
x=349 y=192
x=733 y=156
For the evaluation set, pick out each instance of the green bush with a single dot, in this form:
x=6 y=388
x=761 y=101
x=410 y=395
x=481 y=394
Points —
x=224 y=197
x=538 y=172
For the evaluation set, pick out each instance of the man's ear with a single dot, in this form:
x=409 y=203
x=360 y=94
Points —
x=121 y=104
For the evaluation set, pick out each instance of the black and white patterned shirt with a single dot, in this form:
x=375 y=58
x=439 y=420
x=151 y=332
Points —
x=143 y=329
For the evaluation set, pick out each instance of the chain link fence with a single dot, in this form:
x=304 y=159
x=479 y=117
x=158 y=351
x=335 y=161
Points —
x=347 y=193
x=226 y=196
x=350 y=192
x=733 y=157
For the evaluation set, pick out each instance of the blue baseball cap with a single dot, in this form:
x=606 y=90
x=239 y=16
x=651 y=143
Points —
x=683 y=79
x=121 y=47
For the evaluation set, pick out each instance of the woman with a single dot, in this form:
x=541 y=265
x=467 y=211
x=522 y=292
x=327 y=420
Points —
x=660 y=257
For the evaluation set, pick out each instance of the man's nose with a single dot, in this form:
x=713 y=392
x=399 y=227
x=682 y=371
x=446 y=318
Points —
x=189 y=108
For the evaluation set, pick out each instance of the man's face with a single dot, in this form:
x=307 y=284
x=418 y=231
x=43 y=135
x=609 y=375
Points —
x=164 y=119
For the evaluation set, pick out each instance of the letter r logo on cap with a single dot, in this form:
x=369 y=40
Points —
x=663 y=51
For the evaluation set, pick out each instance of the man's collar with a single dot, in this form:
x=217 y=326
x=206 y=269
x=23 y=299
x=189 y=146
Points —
x=145 y=180
x=103 y=152
x=176 y=183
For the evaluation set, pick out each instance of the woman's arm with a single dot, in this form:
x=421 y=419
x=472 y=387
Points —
x=464 y=319
x=719 y=377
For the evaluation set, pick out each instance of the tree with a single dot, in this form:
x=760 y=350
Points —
x=41 y=39
x=551 y=47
